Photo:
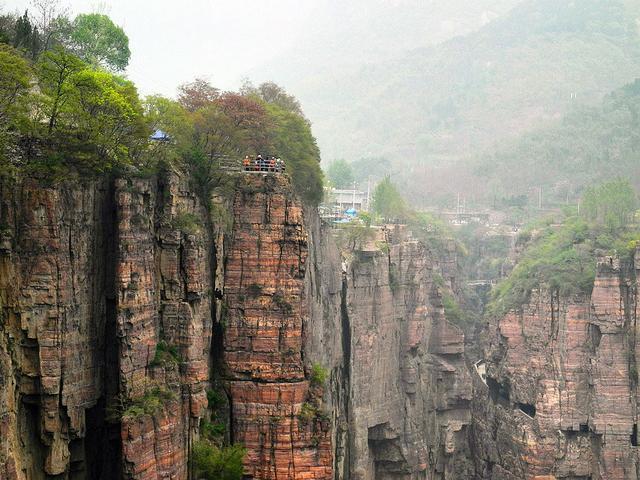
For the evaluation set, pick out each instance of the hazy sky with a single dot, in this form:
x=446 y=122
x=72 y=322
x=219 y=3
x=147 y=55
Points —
x=175 y=41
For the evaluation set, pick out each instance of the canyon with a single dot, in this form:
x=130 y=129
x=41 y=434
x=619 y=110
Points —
x=133 y=310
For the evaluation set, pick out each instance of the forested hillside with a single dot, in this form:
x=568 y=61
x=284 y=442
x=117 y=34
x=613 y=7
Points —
x=530 y=66
x=589 y=144
x=433 y=107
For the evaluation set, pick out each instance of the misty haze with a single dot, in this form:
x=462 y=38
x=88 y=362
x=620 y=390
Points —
x=319 y=240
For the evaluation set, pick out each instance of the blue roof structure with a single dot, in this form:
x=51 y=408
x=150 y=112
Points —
x=160 y=136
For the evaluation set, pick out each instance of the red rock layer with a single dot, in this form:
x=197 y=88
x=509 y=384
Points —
x=275 y=414
x=575 y=363
x=163 y=294
x=52 y=321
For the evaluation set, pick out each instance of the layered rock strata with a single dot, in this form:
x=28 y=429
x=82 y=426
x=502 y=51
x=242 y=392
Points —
x=120 y=308
x=53 y=341
x=400 y=390
x=276 y=413
x=560 y=400
x=163 y=310
x=93 y=279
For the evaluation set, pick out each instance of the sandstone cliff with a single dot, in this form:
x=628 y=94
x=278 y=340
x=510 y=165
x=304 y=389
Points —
x=94 y=277
x=400 y=390
x=560 y=399
x=124 y=304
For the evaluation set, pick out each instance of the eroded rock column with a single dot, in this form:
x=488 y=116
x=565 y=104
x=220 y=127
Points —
x=276 y=413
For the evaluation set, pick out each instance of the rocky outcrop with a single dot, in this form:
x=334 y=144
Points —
x=277 y=414
x=400 y=389
x=124 y=304
x=560 y=399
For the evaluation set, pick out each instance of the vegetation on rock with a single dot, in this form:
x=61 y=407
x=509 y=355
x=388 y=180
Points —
x=212 y=462
x=319 y=375
x=151 y=403
x=561 y=257
x=165 y=355
x=64 y=110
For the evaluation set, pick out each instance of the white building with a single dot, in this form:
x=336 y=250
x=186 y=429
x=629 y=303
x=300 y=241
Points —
x=345 y=199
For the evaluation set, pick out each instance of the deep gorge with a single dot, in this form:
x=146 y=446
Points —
x=134 y=317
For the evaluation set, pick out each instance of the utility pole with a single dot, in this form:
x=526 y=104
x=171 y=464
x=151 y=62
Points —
x=353 y=198
x=539 y=198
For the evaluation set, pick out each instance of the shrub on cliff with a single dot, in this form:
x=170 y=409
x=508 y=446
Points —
x=319 y=375
x=217 y=463
x=151 y=403
x=562 y=258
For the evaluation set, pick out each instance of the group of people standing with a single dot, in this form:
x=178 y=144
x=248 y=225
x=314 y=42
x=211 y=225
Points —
x=262 y=164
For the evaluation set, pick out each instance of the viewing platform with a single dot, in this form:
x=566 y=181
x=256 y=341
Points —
x=251 y=166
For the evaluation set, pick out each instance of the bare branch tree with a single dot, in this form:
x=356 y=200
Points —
x=46 y=15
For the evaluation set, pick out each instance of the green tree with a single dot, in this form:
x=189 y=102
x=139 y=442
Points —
x=98 y=41
x=211 y=462
x=293 y=141
x=612 y=204
x=105 y=112
x=55 y=70
x=23 y=32
x=387 y=201
x=15 y=76
x=168 y=115
x=7 y=28
x=340 y=174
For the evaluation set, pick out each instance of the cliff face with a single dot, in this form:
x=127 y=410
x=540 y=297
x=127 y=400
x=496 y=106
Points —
x=124 y=303
x=409 y=389
x=276 y=412
x=560 y=399
x=53 y=342
x=93 y=279
x=163 y=289
x=400 y=390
